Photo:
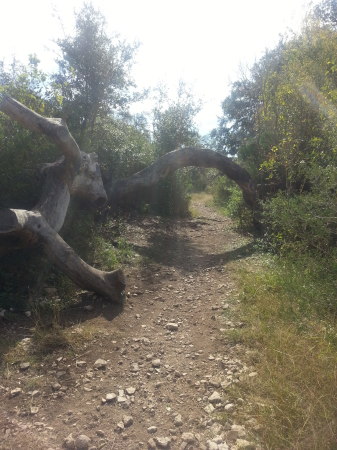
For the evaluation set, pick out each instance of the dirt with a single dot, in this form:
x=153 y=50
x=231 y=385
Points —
x=165 y=351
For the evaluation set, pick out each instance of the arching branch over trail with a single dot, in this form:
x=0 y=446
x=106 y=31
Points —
x=126 y=188
x=78 y=173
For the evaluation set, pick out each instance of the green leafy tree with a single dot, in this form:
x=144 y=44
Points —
x=174 y=127
x=94 y=73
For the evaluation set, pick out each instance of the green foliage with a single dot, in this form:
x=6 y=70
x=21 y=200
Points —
x=305 y=221
x=94 y=74
x=289 y=309
x=228 y=197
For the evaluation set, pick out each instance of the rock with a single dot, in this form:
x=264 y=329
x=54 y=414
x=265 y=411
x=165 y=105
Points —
x=100 y=433
x=24 y=366
x=172 y=326
x=223 y=446
x=151 y=444
x=15 y=392
x=100 y=364
x=188 y=437
x=215 y=397
x=82 y=442
x=209 y=408
x=212 y=445
x=242 y=444
x=156 y=363
x=229 y=407
x=178 y=421
x=56 y=386
x=130 y=390
x=152 y=429
x=28 y=313
x=69 y=442
x=252 y=374
x=34 y=410
x=81 y=363
x=120 y=426
x=128 y=421
x=111 y=397
x=134 y=368
x=236 y=432
x=163 y=442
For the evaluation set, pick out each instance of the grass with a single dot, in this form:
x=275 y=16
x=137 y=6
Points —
x=289 y=310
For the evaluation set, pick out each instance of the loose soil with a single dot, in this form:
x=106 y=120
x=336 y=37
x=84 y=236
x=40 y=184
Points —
x=167 y=358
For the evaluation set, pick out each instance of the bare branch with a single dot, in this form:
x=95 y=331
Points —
x=124 y=189
x=55 y=129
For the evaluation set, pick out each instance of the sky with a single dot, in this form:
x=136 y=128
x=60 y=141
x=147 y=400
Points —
x=205 y=43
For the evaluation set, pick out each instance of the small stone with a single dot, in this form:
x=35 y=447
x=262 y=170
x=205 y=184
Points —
x=134 y=368
x=82 y=442
x=121 y=399
x=100 y=364
x=120 y=426
x=15 y=392
x=236 y=432
x=100 y=433
x=151 y=444
x=28 y=313
x=252 y=374
x=172 y=326
x=223 y=446
x=215 y=397
x=81 y=363
x=111 y=397
x=189 y=438
x=24 y=366
x=69 y=442
x=128 y=421
x=152 y=429
x=209 y=408
x=229 y=407
x=156 y=363
x=34 y=410
x=212 y=445
x=178 y=421
x=56 y=386
x=130 y=390
x=163 y=442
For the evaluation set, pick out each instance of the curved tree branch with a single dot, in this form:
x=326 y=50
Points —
x=125 y=189
x=76 y=172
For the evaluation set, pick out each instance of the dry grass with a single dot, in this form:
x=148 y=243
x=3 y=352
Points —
x=294 y=396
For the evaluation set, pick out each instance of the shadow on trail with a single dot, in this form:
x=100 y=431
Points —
x=181 y=252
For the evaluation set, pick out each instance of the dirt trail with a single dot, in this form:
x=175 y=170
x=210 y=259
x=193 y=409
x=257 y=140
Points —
x=167 y=366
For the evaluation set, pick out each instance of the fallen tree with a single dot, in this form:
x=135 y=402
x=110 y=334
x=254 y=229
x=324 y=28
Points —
x=78 y=173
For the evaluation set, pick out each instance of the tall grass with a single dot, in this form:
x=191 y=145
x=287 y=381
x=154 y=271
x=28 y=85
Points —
x=289 y=307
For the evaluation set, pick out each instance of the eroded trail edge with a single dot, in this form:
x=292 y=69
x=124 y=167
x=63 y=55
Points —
x=159 y=372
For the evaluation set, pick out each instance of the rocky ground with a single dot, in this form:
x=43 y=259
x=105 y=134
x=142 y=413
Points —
x=156 y=372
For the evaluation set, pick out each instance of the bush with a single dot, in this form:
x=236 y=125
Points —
x=304 y=221
x=228 y=196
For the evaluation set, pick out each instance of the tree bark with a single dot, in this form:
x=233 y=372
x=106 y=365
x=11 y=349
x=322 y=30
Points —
x=76 y=172
x=123 y=190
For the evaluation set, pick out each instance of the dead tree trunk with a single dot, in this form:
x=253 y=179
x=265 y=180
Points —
x=123 y=190
x=41 y=224
x=78 y=173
